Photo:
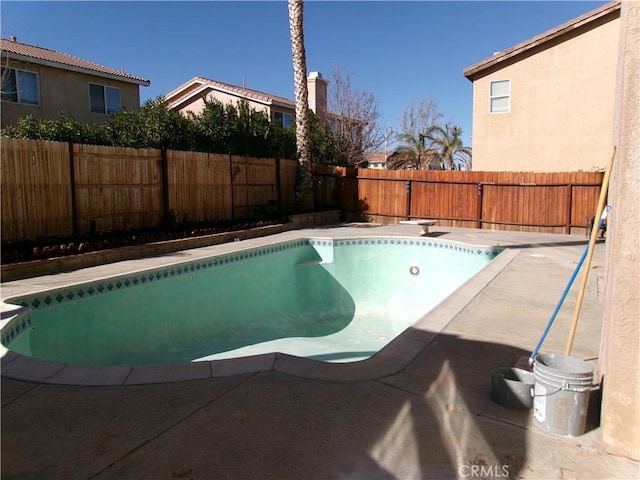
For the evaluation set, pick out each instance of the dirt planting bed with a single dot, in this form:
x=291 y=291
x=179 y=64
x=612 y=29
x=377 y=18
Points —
x=55 y=247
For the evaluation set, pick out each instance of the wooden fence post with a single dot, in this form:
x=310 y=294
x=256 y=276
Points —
x=408 y=187
x=233 y=213
x=278 y=187
x=479 y=207
x=339 y=185
x=72 y=178
x=567 y=225
x=165 y=187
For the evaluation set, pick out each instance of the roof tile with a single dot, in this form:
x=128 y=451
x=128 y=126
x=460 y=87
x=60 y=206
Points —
x=177 y=95
x=45 y=54
x=525 y=46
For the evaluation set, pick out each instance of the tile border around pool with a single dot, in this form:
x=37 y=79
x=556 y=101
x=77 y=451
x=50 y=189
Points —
x=126 y=280
x=72 y=293
x=391 y=359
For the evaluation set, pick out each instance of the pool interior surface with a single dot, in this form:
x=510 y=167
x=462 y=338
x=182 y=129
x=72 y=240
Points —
x=334 y=300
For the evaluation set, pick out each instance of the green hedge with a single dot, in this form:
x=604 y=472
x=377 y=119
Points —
x=219 y=128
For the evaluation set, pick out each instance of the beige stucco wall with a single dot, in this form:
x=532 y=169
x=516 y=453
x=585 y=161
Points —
x=197 y=105
x=227 y=98
x=66 y=91
x=317 y=99
x=317 y=88
x=620 y=352
x=194 y=107
x=562 y=104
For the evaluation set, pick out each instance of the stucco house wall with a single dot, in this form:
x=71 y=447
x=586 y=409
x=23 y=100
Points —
x=561 y=99
x=189 y=97
x=67 y=92
x=226 y=98
x=63 y=84
x=196 y=105
x=620 y=350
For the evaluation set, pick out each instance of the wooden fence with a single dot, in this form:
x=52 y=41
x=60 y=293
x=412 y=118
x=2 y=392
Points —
x=58 y=189
x=115 y=188
x=36 y=195
x=541 y=202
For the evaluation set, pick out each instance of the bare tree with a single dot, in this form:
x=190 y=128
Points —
x=355 y=119
x=304 y=181
x=416 y=124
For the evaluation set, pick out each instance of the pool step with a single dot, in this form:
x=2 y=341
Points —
x=318 y=261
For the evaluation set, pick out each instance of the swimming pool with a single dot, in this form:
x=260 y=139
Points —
x=334 y=300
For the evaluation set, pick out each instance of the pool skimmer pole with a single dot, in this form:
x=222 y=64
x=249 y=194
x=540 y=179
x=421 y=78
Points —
x=566 y=290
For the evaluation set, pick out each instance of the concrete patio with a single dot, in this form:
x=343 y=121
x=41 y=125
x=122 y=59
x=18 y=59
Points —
x=432 y=418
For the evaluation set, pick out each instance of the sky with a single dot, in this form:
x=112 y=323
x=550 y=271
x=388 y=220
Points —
x=401 y=52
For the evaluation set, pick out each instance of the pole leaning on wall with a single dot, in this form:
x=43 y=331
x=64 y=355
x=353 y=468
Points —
x=592 y=241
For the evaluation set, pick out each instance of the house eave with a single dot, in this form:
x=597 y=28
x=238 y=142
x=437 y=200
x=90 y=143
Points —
x=181 y=100
x=73 y=68
x=477 y=69
x=238 y=95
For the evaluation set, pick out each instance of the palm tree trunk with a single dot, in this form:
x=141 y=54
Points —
x=304 y=180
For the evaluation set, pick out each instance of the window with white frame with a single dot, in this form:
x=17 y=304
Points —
x=103 y=99
x=284 y=119
x=500 y=96
x=20 y=86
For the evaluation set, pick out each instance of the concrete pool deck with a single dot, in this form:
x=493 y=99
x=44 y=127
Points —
x=432 y=418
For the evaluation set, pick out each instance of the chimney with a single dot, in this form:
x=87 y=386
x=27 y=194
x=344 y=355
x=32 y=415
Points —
x=14 y=38
x=317 y=87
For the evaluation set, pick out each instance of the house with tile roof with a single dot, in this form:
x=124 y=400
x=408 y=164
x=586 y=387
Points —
x=191 y=97
x=377 y=160
x=547 y=104
x=41 y=82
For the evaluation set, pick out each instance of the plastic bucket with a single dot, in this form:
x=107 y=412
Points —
x=562 y=386
x=512 y=387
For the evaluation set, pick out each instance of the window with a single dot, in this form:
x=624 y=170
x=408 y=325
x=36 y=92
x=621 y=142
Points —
x=104 y=99
x=20 y=86
x=284 y=119
x=500 y=96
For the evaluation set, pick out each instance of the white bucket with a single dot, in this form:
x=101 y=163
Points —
x=562 y=386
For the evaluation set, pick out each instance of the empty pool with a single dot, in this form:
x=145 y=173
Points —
x=335 y=300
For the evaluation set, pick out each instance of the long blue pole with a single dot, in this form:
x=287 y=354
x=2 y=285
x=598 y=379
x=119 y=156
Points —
x=566 y=291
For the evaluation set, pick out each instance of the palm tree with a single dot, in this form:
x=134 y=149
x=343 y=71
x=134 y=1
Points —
x=447 y=149
x=413 y=152
x=304 y=180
